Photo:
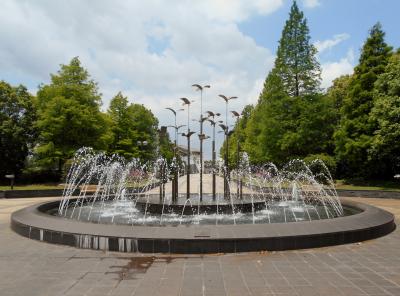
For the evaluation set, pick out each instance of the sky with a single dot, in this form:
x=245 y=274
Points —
x=154 y=50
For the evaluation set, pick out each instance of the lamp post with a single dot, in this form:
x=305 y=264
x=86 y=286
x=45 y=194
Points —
x=187 y=103
x=12 y=178
x=213 y=123
x=226 y=131
x=175 y=181
x=175 y=186
x=188 y=135
x=201 y=135
x=239 y=181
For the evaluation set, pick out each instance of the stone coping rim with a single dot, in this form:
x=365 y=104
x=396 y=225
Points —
x=371 y=223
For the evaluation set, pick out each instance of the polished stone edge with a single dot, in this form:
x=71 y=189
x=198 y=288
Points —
x=371 y=223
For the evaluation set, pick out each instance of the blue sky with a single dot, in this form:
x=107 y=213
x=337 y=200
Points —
x=331 y=17
x=154 y=50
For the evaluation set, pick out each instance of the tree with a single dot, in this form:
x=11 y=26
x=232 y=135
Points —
x=385 y=149
x=167 y=147
x=146 y=124
x=353 y=139
x=338 y=91
x=17 y=132
x=335 y=96
x=239 y=133
x=280 y=126
x=133 y=129
x=69 y=115
x=296 y=63
x=121 y=127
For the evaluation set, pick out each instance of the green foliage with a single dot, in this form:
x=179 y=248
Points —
x=239 y=134
x=354 y=137
x=166 y=147
x=17 y=132
x=357 y=120
x=291 y=119
x=338 y=91
x=133 y=129
x=290 y=128
x=385 y=147
x=296 y=64
x=328 y=160
x=69 y=115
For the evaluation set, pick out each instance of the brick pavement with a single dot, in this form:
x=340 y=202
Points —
x=30 y=267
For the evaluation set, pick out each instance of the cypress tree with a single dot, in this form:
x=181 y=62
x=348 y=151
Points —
x=296 y=62
x=385 y=149
x=354 y=136
x=275 y=130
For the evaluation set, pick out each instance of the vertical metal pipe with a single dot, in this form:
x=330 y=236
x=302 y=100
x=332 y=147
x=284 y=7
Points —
x=239 y=179
x=188 y=168
x=227 y=165
x=239 y=176
x=213 y=164
x=201 y=146
x=161 y=183
x=188 y=156
x=226 y=184
x=201 y=162
x=175 y=181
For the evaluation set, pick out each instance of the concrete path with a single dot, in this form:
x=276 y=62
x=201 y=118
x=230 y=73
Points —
x=35 y=268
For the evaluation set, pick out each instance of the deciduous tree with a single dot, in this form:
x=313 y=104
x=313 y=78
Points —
x=17 y=132
x=69 y=115
x=133 y=129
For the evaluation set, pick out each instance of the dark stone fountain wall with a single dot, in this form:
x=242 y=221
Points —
x=34 y=223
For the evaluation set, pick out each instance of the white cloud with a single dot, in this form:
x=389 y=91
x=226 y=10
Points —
x=112 y=38
x=235 y=10
x=311 y=3
x=332 y=70
x=329 y=43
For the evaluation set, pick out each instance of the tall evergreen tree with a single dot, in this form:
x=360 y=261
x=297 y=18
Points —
x=385 y=114
x=276 y=129
x=354 y=136
x=69 y=115
x=296 y=63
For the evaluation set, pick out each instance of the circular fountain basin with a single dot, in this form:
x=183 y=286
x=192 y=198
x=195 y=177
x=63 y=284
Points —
x=148 y=210
x=363 y=222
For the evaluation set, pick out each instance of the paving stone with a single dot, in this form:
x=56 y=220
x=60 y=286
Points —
x=29 y=267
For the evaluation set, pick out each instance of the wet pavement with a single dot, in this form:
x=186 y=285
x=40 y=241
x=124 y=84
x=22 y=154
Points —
x=30 y=267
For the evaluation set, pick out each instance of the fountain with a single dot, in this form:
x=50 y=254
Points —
x=111 y=204
x=133 y=193
x=128 y=206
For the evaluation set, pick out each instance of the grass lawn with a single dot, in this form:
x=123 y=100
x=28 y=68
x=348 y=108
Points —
x=32 y=187
x=368 y=185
